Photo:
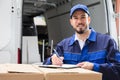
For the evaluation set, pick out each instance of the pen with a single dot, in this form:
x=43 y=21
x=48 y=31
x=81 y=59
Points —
x=56 y=53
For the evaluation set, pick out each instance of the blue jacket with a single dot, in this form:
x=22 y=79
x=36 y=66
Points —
x=99 y=49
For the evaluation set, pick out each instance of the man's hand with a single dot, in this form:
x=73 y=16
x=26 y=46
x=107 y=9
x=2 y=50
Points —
x=56 y=60
x=86 y=65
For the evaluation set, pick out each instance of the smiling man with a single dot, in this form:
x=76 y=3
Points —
x=87 y=48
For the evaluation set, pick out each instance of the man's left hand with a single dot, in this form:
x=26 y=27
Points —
x=86 y=65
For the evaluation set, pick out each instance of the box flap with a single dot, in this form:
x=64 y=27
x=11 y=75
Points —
x=21 y=68
x=70 y=74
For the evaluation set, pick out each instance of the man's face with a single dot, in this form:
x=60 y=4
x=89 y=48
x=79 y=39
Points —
x=80 y=21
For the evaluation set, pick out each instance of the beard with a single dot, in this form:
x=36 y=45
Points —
x=81 y=30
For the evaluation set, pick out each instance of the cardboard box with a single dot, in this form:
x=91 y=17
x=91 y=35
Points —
x=33 y=72
x=19 y=72
x=70 y=74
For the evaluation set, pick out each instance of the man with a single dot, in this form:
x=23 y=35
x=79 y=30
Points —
x=87 y=48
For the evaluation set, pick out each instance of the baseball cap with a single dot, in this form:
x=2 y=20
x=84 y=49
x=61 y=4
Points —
x=79 y=7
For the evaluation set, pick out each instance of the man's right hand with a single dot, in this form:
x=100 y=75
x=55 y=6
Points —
x=57 y=60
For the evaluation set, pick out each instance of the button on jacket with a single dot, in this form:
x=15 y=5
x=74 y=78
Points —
x=99 y=49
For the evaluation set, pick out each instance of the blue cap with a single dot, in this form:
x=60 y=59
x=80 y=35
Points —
x=79 y=7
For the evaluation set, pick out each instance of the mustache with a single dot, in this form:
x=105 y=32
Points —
x=80 y=24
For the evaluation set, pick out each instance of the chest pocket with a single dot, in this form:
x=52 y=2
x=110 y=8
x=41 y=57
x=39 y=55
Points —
x=70 y=58
x=97 y=57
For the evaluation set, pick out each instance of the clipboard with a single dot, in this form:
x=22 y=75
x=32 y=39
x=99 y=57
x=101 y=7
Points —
x=64 y=66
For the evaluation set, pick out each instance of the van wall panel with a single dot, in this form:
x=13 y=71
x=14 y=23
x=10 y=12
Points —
x=64 y=8
x=86 y=2
x=51 y=13
x=54 y=30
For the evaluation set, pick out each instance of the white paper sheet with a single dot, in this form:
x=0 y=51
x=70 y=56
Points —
x=65 y=66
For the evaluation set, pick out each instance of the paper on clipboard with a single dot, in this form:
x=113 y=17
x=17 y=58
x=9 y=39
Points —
x=64 y=66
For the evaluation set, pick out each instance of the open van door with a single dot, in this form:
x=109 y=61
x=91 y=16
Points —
x=12 y=43
x=10 y=30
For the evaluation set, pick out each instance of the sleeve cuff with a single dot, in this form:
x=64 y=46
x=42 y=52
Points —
x=96 y=67
x=48 y=62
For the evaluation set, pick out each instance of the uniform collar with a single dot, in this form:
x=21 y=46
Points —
x=92 y=37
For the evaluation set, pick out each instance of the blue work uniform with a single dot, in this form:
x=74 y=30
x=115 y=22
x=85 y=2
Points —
x=99 y=49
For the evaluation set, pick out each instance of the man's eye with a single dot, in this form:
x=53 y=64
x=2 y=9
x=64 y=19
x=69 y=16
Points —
x=75 y=17
x=83 y=17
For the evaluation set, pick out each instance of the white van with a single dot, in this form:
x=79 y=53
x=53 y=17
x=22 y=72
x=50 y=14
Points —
x=19 y=35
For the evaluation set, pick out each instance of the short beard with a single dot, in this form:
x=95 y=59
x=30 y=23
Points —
x=80 y=32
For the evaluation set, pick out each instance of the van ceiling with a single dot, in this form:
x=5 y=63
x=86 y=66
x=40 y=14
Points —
x=37 y=7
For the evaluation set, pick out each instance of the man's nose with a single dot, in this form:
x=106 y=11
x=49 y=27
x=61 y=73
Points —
x=79 y=21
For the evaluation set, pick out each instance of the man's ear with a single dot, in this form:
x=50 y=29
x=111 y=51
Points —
x=89 y=19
